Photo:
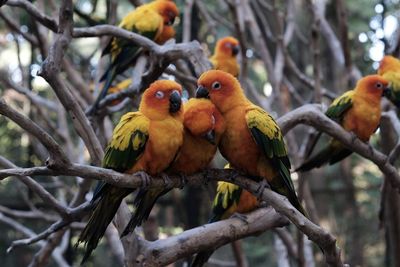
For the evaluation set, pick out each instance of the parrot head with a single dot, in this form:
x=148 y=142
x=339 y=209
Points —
x=228 y=46
x=388 y=63
x=162 y=99
x=168 y=10
x=201 y=118
x=373 y=85
x=222 y=88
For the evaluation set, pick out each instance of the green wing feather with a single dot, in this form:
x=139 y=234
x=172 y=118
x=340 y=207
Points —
x=334 y=151
x=127 y=145
x=227 y=195
x=125 y=149
x=394 y=78
x=340 y=105
x=269 y=138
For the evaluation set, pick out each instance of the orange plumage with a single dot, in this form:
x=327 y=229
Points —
x=204 y=126
x=147 y=140
x=252 y=142
x=358 y=111
x=389 y=68
x=225 y=55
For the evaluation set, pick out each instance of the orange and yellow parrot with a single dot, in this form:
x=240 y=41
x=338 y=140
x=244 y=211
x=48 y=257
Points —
x=147 y=140
x=203 y=127
x=230 y=199
x=252 y=142
x=225 y=55
x=153 y=20
x=357 y=111
x=389 y=68
x=224 y=58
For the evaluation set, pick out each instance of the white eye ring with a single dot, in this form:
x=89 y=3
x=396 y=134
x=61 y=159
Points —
x=379 y=85
x=216 y=86
x=159 y=95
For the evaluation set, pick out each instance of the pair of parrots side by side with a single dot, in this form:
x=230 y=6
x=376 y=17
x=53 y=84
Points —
x=224 y=58
x=161 y=137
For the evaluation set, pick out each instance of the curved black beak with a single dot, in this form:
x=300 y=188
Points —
x=175 y=102
x=235 y=50
x=210 y=137
x=386 y=92
x=202 y=92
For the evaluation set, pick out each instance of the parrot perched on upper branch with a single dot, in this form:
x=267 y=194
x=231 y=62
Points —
x=224 y=58
x=203 y=127
x=147 y=140
x=153 y=20
x=252 y=142
x=389 y=68
x=357 y=111
x=225 y=55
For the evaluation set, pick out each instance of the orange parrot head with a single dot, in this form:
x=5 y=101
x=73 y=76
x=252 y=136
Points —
x=228 y=46
x=201 y=118
x=162 y=99
x=388 y=63
x=372 y=85
x=168 y=10
x=221 y=88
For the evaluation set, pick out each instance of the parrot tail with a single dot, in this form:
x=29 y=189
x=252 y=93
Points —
x=108 y=76
x=201 y=258
x=318 y=160
x=98 y=222
x=144 y=202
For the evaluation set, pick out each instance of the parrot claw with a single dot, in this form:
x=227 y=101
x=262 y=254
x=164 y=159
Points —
x=233 y=176
x=241 y=217
x=354 y=137
x=259 y=193
x=145 y=178
x=184 y=180
x=167 y=181
x=206 y=176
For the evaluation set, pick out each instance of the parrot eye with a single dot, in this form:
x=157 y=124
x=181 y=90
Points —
x=379 y=85
x=159 y=95
x=216 y=86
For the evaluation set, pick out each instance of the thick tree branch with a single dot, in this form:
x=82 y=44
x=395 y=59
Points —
x=165 y=251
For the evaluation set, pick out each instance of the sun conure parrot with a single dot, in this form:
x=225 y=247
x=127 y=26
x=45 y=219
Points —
x=153 y=20
x=147 y=140
x=357 y=111
x=229 y=199
x=203 y=127
x=389 y=68
x=224 y=58
x=252 y=142
x=225 y=55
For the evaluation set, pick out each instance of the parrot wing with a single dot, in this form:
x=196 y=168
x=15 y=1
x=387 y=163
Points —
x=127 y=145
x=340 y=106
x=227 y=196
x=269 y=138
x=394 y=78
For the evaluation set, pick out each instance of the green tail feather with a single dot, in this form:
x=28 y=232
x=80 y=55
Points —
x=101 y=217
x=318 y=160
x=143 y=203
x=331 y=154
x=108 y=76
x=201 y=258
